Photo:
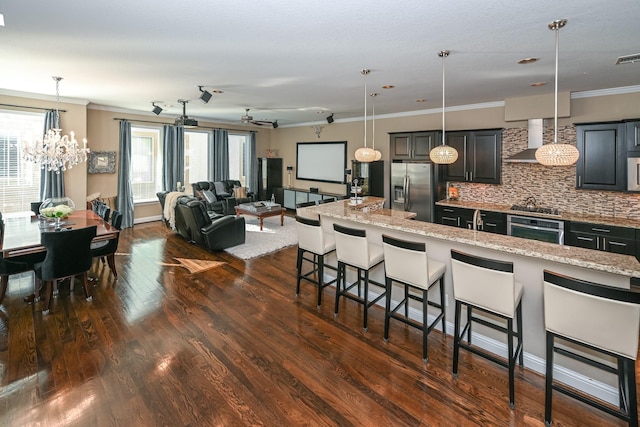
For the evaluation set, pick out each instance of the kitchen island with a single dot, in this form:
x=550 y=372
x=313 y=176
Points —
x=530 y=259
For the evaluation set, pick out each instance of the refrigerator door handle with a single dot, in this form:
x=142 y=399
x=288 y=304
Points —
x=406 y=192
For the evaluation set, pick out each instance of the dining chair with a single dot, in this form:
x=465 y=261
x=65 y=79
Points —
x=15 y=265
x=107 y=248
x=68 y=255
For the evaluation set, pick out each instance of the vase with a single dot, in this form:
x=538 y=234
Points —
x=55 y=210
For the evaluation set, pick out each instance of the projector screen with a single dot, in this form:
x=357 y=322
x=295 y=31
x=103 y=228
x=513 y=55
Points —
x=321 y=161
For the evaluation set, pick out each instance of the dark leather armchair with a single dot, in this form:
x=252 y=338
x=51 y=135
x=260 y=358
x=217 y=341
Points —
x=219 y=195
x=212 y=232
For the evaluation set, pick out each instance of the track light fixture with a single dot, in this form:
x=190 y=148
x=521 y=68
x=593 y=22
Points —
x=205 y=96
x=156 y=109
x=330 y=118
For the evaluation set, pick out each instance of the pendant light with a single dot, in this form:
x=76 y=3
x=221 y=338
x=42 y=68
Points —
x=443 y=154
x=378 y=154
x=556 y=154
x=365 y=154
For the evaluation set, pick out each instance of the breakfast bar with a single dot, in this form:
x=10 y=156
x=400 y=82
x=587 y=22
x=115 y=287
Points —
x=530 y=258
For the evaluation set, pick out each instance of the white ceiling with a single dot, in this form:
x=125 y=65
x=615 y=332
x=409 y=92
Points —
x=289 y=59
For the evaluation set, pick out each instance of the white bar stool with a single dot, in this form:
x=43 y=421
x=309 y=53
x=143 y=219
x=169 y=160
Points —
x=597 y=317
x=406 y=262
x=354 y=250
x=489 y=286
x=312 y=239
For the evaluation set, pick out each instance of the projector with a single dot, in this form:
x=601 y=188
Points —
x=186 y=121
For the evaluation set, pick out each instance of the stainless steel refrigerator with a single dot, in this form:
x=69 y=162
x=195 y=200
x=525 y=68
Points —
x=412 y=189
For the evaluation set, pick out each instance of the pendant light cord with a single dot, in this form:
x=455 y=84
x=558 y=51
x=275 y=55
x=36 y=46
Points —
x=57 y=118
x=443 y=54
x=555 y=113
x=365 y=72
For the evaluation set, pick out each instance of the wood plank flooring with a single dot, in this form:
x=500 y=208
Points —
x=231 y=346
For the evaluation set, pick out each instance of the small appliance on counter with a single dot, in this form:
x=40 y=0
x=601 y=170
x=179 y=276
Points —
x=452 y=193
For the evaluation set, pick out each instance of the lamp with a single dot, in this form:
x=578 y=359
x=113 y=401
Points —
x=289 y=169
x=443 y=154
x=205 y=96
x=55 y=152
x=156 y=109
x=556 y=154
x=378 y=154
x=330 y=118
x=365 y=154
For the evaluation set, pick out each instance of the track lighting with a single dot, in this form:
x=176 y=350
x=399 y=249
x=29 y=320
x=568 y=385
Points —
x=205 y=96
x=275 y=124
x=330 y=118
x=156 y=109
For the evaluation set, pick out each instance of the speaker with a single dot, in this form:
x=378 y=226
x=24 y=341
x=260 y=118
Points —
x=330 y=118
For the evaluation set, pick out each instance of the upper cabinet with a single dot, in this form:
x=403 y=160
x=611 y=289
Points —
x=602 y=161
x=478 y=156
x=412 y=145
x=633 y=137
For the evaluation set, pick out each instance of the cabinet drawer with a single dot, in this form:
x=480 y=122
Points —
x=602 y=230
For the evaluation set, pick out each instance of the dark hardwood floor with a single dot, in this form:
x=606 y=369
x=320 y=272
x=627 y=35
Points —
x=231 y=346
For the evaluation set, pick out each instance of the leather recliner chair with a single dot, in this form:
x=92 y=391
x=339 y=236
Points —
x=214 y=233
x=224 y=202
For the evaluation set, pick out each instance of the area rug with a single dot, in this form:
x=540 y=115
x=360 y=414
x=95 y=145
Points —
x=270 y=239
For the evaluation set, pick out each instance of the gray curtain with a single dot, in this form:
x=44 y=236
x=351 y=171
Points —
x=220 y=138
x=125 y=191
x=251 y=168
x=173 y=157
x=51 y=183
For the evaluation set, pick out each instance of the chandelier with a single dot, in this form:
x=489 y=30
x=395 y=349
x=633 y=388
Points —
x=56 y=152
x=556 y=154
x=443 y=154
x=365 y=154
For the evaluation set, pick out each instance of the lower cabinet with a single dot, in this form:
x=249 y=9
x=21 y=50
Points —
x=620 y=240
x=292 y=196
x=492 y=222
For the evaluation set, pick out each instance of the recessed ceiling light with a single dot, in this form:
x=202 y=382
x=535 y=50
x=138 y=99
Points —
x=388 y=87
x=168 y=105
x=217 y=91
x=421 y=100
x=1 y=20
x=527 y=60
x=536 y=84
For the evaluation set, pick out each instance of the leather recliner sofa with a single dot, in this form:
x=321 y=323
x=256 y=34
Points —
x=212 y=232
x=219 y=195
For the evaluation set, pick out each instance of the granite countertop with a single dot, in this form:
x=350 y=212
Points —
x=624 y=265
x=565 y=216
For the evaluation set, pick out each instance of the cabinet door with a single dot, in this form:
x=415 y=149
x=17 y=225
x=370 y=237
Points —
x=457 y=171
x=290 y=199
x=583 y=240
x=601 y=165
x=633 y=136
x=401 y=146
x=619 y=245
x=422 y=145
x=484 y=157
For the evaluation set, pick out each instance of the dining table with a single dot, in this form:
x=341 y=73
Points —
x=22 y=233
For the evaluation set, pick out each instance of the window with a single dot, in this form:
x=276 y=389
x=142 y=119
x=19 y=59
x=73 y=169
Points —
x=19 y=179
x=238 y=157
x=196 y=157
x=146 y=164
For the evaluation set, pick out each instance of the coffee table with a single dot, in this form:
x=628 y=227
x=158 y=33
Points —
x=249 y=209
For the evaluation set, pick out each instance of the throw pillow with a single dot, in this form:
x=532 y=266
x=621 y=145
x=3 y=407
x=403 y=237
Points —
x=208 y=196
x=240 y=192
x=199 y=194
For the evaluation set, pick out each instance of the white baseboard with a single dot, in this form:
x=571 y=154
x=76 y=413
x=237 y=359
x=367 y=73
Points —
x=147 y=219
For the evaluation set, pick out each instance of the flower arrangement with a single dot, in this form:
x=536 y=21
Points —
x=59 y=211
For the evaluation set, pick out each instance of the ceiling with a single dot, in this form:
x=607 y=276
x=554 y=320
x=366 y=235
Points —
x=297 y=62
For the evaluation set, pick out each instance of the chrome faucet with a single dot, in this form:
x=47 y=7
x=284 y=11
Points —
x=477 y=220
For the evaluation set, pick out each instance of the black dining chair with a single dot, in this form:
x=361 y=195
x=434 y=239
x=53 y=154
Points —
x=14 y=265
x=107 y=248
x=68 y=255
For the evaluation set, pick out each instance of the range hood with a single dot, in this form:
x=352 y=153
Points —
x=535 y=129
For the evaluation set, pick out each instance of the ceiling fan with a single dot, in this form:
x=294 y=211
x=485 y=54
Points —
x=248 y=119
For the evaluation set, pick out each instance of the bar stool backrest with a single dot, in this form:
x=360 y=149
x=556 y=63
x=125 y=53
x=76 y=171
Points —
x=406 y=261
x=352 y=246
x=311 y=237
x=601 y=316
x=484 y=282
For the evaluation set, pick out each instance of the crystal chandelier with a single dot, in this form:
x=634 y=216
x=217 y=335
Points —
x=556 y=154
x=365 y=154
x=443 y=154
x=56 y=152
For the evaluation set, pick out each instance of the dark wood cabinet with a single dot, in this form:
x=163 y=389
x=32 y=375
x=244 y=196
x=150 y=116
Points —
x=370 y=177
x=602 y=162
x=412 y=145
x=633 y=137
x=620 y=240
x=479 y=154
x=492 y=222
x=269 y=177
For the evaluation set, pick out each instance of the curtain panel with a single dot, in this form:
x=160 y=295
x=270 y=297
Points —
x=173 y=156
x=51 y=182
x=125 y=190
x=220 y=138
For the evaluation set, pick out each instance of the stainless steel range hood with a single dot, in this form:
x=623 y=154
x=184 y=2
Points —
x=535 y=129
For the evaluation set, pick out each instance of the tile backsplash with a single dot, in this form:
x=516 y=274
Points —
x=552 y=187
